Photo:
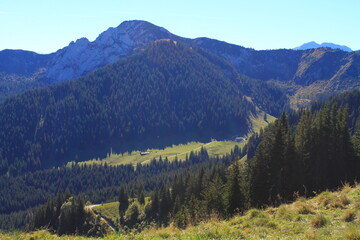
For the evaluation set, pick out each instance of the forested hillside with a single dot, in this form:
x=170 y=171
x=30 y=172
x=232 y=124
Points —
x=169 y=93
x=284 y=162
x=302 y=74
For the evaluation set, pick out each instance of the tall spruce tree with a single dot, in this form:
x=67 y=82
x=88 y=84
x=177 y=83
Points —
x=304 y=147
x=123 y=200
x=234 y=196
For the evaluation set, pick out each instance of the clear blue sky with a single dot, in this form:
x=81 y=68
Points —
x=47 y=25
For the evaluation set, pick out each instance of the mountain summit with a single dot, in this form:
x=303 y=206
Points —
x=311 y=45
x=83 y=56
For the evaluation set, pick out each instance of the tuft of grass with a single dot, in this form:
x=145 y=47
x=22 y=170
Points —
x=340 y=202
x=319 y=221
x=353 y=232
x=303 y=207
x=285 y=213
x=255 y=213
x=349 y=215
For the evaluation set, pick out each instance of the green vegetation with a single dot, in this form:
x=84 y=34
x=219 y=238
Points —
x=108 y=210
x=325 y=221
x=260 y=120
x=181 y=151
x=169 y=93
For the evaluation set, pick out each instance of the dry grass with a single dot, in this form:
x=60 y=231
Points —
x=330 y=215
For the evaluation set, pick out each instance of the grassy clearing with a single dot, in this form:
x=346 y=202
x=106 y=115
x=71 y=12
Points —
x=214 y=148
x=109 y=210
x=259 y=121
x=330 y=215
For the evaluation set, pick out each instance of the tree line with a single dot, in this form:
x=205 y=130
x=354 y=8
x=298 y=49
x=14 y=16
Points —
x=317 y=154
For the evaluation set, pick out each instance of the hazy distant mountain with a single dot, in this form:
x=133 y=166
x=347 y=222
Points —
x=311 y=45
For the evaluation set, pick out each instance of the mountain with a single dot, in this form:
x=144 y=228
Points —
x=21 y=62
x=83 y=56
x=20 y=70
x=302 y=75
x=24 y=70
x=170 y=92
x=311 y=45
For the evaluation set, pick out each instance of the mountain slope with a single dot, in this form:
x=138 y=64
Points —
x=330 y=215
x=166 y=94
x=24 y=63
x=301 y=74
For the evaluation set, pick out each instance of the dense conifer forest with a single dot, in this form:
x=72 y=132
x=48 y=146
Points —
x=300 y=154
x=169 y=91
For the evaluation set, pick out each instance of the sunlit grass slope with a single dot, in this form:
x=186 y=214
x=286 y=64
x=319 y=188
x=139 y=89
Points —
x=214 y=148
x=330 y=215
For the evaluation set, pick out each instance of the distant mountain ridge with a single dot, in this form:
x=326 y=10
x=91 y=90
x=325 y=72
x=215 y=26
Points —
x=301 y=74
x=311 y=45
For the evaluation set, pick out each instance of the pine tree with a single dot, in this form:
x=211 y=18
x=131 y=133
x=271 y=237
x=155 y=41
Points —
x=123 y=200
x=356 y=140
x=304 y=147
x=155 y=204
x=165 y=205
x=142 y=198
x=259 y=172
x=234 y=196
x=213 y=196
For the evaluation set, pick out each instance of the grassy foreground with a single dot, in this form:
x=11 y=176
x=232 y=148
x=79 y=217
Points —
x=330 y=215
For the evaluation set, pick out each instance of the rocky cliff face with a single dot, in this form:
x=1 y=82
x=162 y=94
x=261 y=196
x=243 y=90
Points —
x=83 y=56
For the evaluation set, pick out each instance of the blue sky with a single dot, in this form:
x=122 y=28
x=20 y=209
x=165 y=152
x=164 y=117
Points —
x=47 y=25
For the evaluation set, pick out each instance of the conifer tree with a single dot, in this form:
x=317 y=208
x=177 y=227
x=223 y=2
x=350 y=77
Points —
x=356 y=140
x=234 y=196
x=123 y=200
x=213 y=196
x=304 y=147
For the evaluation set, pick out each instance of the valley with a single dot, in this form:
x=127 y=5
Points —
x=144 y=134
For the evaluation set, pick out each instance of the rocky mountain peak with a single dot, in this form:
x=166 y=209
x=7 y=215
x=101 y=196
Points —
x=83 y=56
